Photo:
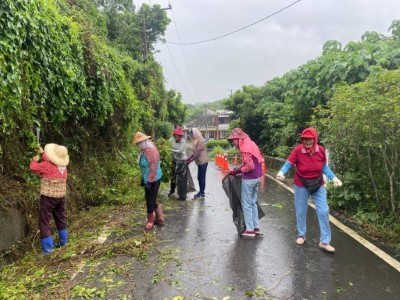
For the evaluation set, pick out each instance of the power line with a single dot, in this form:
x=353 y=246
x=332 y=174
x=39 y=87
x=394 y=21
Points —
x=237 y=30
x=179 y=74
x=183 y=54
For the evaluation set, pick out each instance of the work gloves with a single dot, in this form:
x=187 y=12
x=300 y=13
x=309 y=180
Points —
x=234 y=172
x=280 y=176
x=336 y=182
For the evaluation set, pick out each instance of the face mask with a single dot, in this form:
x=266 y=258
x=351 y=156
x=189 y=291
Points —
x=142 y=145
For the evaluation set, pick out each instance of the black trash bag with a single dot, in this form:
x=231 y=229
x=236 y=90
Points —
x=232 y=187
x=184 y=181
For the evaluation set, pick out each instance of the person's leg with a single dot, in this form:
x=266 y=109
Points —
x=201 y=176
x=173 y=178
x=60 y=220
x=301 y=205
x=156 y=187
x=45 y=213
x=322 y=208
x=151 y=196
x=247 y=203
x=254 y=197
x=158 y=210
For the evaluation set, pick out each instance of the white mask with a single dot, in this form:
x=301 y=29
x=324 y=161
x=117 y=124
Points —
x=142 y=145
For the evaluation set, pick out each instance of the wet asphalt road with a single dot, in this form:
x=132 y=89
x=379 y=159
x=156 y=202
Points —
x=200 y=256
x=211 y=260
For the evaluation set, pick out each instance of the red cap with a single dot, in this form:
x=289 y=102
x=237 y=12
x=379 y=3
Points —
x=178 y=131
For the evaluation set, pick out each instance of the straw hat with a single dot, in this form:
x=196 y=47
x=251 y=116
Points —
x=139 y=137
x=57 y=154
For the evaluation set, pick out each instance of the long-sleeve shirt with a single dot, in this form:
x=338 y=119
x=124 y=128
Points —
x=178 y=149
x=46 y=169
x=53 y=181
x=199 y=153
x=250 y=167
x=149 y=163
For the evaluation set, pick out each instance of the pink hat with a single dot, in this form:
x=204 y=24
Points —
x=237 y=133
x=178 y=131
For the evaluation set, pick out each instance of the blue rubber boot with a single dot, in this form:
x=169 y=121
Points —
x=63 y=234
x=47 y=245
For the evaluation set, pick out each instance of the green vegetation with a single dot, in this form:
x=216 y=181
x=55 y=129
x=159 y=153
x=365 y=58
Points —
x=83 y=72
x=86 y=79
x=218 y=143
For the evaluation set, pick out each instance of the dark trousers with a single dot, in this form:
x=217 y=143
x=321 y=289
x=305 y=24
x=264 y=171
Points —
x=151 y=195
x=51 y=207
x=201 y=176
x=173 y=177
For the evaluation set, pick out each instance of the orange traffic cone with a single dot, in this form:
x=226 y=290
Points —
x=235 y=160
x=264 y=168
x=225 y=166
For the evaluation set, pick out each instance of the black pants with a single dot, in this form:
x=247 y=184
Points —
x=151 y=195
x=51 y=207
x=173 y=177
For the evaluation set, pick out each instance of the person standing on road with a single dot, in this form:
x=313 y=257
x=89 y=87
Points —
x=310 y=161
x=178 y=149
x=53 y=188
x=200 y=156
x=251 y=170
x=149 y=163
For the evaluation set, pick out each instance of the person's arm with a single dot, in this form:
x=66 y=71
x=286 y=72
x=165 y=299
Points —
x=39 y=167
x=328 y=172
x=153 y=158
x=285 y=168
x=247 y=163
x=195 y=155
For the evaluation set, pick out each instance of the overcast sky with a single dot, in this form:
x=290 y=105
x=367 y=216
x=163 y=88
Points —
x=263 y=51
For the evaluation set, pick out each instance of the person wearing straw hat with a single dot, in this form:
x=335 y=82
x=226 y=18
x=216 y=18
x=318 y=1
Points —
x=178 y=149
x=53 y=187
x=251 y=170
x=149 y=163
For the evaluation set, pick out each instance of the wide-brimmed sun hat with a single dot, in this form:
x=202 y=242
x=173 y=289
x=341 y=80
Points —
x=140 y=137
x=57 y=154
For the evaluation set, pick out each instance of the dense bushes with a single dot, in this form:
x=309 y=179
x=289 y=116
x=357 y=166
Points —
x=61 y=71
x=362 y=130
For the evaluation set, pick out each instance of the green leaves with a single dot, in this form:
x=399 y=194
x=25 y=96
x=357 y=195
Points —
x=364 y=117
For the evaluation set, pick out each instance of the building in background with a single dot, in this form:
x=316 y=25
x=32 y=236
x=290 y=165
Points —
x=212 y=124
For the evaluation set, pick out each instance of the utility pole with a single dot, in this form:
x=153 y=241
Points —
x=205 y=118
x=145 y=42
x=145 y=38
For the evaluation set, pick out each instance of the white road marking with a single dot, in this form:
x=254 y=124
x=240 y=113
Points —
x=383 y=255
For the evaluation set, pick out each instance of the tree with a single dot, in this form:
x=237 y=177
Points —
x=363 y=130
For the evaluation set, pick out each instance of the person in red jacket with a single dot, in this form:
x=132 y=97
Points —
x=53 y=186
x=310 y=161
